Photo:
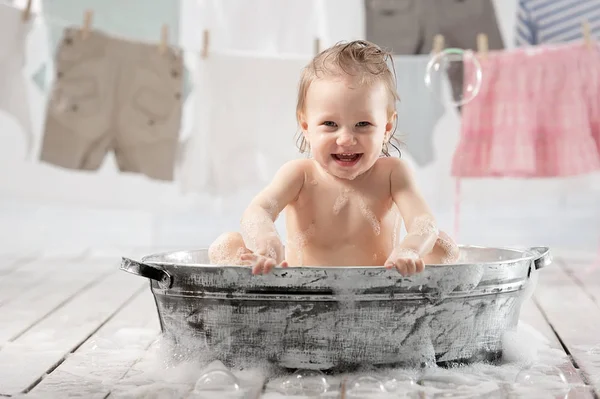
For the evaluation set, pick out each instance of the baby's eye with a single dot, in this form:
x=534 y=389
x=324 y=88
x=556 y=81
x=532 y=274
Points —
x=329 y=124
x=363 y=124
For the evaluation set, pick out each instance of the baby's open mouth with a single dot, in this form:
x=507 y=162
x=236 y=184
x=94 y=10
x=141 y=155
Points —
x=349 y=158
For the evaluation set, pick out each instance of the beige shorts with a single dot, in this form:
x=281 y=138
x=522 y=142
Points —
x=113 y=94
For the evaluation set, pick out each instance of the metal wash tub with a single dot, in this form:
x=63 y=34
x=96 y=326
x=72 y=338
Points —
x=341 y=317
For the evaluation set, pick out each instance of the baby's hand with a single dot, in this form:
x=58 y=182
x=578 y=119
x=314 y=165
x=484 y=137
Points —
x=269 y=253
x=406 y=261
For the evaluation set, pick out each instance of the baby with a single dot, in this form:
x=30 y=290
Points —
x=345 y=204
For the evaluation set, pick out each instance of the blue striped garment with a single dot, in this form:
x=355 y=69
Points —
x=555 y=21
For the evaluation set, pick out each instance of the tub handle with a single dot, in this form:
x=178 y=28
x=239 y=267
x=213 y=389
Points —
x=152 y=272
x=542 y=257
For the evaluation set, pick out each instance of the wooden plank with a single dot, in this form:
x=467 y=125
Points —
x=64 y=283
x=577 y=257
x=29 y=276
x=574 y=316
x=149 y=377
x=532 y=316
x=39 y=350
x=587 y=275
x=10 y=263
x=93 y=369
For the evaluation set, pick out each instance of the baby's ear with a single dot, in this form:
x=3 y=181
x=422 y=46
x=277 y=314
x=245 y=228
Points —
x=302 y=122
x=390 y=124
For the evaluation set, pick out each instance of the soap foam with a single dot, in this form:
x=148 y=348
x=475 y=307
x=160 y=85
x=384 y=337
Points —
x=174 y=370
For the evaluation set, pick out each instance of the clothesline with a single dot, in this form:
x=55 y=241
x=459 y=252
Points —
x=162 y=37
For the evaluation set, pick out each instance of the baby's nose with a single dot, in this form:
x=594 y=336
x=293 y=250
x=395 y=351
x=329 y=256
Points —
x=345 y=139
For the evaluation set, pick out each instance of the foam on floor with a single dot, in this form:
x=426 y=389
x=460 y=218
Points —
x=530 y=368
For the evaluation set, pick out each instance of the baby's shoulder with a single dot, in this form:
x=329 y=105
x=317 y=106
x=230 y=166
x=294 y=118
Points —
x=299 y=165
x=389 y=165
x=296 y=169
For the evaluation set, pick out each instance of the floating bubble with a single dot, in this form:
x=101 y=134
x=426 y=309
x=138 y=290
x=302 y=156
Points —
x=305 y=382
x=400 y=383
x=544 y=377
x=594 y=350
x=362 y=386
x=461 y=68
x=444 y=379
x=541 y=373
x=217 y=381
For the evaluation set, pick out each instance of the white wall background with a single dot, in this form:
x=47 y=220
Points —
x=46 y=208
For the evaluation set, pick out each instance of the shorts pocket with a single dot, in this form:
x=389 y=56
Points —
x=155 y=107
x=78 y=95
x=76 y=104
x=153 y=104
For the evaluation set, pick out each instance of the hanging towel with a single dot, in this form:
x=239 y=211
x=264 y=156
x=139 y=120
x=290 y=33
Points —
x=268 y=26
x=531 y=117
x=13 y=88
x=419 y=109
x=246 y=122
x=555 y=21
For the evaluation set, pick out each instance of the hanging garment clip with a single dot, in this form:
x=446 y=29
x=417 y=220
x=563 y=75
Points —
x=438 y=44
x=205 y=43
x=482 y=45
x=27 y=11
x=164 y=39
x=87 y=24
x=587 y=33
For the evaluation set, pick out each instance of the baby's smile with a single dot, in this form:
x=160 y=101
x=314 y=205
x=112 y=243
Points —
x=347 y=159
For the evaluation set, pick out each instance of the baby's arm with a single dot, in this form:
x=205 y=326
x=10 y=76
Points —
x=258 y=220
x=421 y=227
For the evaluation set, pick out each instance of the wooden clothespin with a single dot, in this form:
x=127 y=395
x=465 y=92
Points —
x=343 y=388
x=164 y=39
x=317 y=46
x=27 y=11
x=205 y=43
x=87 y=24
x=587 y=33
x=438 y=44
x=482 y=45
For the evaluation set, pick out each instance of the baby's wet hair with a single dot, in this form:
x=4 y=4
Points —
x=361 y=59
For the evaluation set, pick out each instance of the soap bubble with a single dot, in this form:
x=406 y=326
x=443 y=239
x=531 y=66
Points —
x=362 y=386
x=217 y=381
x=305 y=382
x=541 y=376
x=400 y=383
x=446 y=379
x=461 y=68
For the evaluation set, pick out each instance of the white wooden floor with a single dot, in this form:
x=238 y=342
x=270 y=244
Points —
x=79 y=327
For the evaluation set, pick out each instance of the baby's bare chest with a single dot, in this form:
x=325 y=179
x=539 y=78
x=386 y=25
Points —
x=332 y=214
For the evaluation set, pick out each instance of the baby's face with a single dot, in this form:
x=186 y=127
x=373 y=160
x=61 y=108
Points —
x=346 y=124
